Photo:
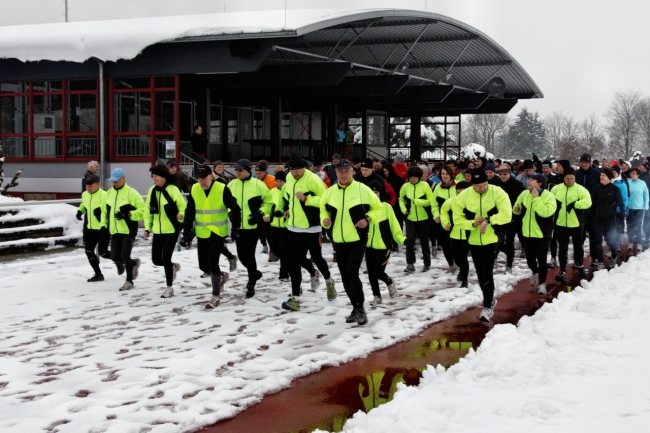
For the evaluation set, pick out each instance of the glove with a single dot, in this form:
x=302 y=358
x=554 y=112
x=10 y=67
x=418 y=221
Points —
x=570 y=206
x=119 y=216
x=255 y=218
x=79 y=215
x=234 y=234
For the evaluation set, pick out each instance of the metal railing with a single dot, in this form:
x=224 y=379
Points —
x=48 y=147
x=15 y=147
x=82 y=146
x=130 y=146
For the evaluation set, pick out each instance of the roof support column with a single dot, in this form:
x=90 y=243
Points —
x=416 y=134
x=275 y=127
x=225 y=153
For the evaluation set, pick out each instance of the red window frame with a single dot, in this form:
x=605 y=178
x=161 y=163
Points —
x=64 y=134
x=152 y=133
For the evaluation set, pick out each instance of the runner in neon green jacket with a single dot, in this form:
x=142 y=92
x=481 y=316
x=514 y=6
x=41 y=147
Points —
x=457 y=237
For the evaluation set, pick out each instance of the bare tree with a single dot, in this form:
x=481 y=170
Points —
x=623 y=123
x=558 y=129
x=470 y=129
x=485 y=129
x=591 y=136
x=643 y=117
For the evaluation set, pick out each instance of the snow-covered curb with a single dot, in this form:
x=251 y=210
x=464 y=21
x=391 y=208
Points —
x=578 y=365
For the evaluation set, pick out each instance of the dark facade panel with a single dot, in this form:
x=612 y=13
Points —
x=15 y=70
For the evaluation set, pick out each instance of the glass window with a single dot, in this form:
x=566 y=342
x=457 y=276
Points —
x=132 y=83
x=258 y=125
x=15 y=114
x=79 y=147
x=215 y=124
x=233 y=125
x=377 y=131
x=453 y=119
x=356 y=126
x=433 y=135
x=82 y=113
x=48 y=113
x=48 y=147
x=48 y=86
x=13 y=87
x=132 y=111
x=399 y=131
x=285 y=126
x=15 y=147
x=165 y=113
x=165 y=81
x=76 y=85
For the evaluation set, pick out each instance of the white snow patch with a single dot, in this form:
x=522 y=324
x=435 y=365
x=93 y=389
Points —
x=578 y=364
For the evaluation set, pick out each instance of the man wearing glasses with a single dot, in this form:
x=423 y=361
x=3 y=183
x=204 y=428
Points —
x=513 y=188
x=255 y=201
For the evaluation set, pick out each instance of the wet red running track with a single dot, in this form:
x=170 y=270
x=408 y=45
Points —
x=326 y=399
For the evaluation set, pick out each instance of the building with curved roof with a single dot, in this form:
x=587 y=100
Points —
x=263 y=85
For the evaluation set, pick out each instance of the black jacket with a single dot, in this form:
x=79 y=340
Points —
x=589 y=179
x=83 y=180
x=606 y=198
x=513 y=188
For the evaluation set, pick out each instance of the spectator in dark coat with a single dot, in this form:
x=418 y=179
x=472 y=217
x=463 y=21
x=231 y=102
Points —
x=588 y=177
x=607 y=200
x=552 y=179
x=182 y=180
x=199 y=142
x=93 y=169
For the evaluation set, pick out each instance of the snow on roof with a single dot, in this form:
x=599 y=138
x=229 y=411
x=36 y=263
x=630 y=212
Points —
x=112 y=40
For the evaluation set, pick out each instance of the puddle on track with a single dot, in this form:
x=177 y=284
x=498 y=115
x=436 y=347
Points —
x=328 y=398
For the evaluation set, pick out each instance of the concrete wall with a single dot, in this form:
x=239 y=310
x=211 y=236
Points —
x=65 y=177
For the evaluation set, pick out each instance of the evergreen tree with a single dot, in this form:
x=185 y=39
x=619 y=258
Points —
x=526 y=135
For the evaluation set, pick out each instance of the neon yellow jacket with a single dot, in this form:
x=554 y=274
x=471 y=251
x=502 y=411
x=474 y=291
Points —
x=347 y=205
x=277 y=220
x=571 y=202
x=387 y=230
x=160 y=222
x=128 y=201
x=92 y=205
x=253 y=198
x=303 y=214
x=439 y=195
x=538 y=214
x=416 y=201
x=493 y=204
x=446 y=218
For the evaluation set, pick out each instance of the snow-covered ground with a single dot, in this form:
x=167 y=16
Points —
x=580 y=364
x=84 y=357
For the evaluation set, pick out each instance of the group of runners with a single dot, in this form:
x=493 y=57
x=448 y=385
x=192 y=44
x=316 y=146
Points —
x=367 y=208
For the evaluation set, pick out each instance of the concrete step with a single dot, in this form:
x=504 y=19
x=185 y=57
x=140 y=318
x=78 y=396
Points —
x=34 y=232
x=20 y=223
x=41 y=244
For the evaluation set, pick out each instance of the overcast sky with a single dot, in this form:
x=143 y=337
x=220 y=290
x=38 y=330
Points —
x=579 y=52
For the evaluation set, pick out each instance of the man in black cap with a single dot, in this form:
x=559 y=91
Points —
x=348 y=208
x=551 y=178
x=255 y=201
x=366 y=173
x=560 y=166
x=302 y=196
x=507 y=231
x=527 y=170
x=331 y=169
x=96 y=233
x=478 y=210
x=207 y=209
x=588 y=177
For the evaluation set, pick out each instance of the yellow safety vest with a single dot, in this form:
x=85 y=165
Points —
x=211 y=213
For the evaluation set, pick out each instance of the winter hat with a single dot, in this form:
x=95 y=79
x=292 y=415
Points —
x=204 y=171
x=614 y=162
x=539 y=178
x=585 y=157
x=262 y=165
x=160 y=170
x=357 y=160
x=244 y=164
x=281 y=175
x=171 y=163
x=569 y=170
x=91 y=179
x=400 y=157
x=547 y=163
x=527 y=164
x=366 y=163
x=463 y=185
x=490 y=167
x=336 y=156
x=479 y=176
x=609 y=173
x=565 y=163
x=296 y=162
x=375 y=185
x=617 y=169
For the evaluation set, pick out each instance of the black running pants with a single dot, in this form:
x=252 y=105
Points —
x=349 y=258
x=121 y=246
x=483 y=257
